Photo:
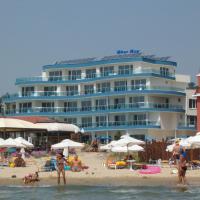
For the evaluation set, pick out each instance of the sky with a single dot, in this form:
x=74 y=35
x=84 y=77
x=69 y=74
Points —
x=39 y=32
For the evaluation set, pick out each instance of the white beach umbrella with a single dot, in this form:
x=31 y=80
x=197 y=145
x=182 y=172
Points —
x=11 y=143
x=125 y=149
x=135 y=148
x=182 y=143
x=126 y=140
x=198 y=133
x=194 y=141
x=1 y=140
x=66 y=143
x=24 y=142
x=108 y=146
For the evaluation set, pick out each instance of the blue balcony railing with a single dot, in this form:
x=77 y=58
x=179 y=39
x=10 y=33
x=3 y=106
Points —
x=116 y=125
x=99 y=92
x=95 y=76
x=186 y=126
x=131 y=107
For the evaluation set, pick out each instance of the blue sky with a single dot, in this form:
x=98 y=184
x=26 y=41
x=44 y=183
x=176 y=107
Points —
x=38 y=32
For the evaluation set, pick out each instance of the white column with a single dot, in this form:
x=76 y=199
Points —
x=83 y=74
x=98 y=73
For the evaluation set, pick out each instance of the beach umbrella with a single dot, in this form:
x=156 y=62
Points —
x=24 y=142
x=198 y=133
x=194 y=141
x=66 y=144
x=11 y=143
x=135 y=148
x=126 y=140
x=183 y=143
x=125 y=149
x=108 y=146
x=1 y=140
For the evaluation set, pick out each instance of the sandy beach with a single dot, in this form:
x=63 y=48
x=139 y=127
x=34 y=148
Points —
x=97 y=174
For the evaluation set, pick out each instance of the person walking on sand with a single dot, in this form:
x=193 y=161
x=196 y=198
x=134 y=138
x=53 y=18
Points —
x=60 y=162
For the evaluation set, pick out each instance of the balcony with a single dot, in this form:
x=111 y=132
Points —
x=186 y=126
x=119 y=125
x=76 y=111
x=91 y=77
x=123 y=90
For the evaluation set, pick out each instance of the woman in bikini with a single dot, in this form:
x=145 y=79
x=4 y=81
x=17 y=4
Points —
x=60 y=161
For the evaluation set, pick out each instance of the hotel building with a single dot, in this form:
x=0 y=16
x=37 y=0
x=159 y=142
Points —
x=127 y=92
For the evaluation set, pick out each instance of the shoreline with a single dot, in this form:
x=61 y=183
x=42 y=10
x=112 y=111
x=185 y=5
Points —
x=104 y=181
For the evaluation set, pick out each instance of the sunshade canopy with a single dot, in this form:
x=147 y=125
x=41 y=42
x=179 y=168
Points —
x=10 y=124
x=59 y=127
x=127 y=140
x=24 y=142
x=11 y=143
x=125 y=149
x=66 y=143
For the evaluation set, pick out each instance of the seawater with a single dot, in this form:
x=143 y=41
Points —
x=97 y=193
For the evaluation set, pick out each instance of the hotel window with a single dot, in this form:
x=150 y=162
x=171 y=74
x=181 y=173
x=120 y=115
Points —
x=47 y=107
x=74 y=74
x=164 y=71
x=71 y=120
x=120 y=86
x=119 y=103
x=70 y=106
x=101 y=104
x=138 y=84
x=139 y=119
x=90 y=73
x=103 y=87
x=106 y=71
x=27 y=91
x=55 y=76
x=125 y=69
x=89 y=89
x=25 y=107
x=72 y=90
x=86 y=122
x=120 y=120
x=136 y=101
x=192 y=103
x=50 y=91
x=101 y=121
x=86 y=105
x=191 y=120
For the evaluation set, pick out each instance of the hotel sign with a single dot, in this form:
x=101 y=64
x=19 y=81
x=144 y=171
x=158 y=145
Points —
x=131 y=51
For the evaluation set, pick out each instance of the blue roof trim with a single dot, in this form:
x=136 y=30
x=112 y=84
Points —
x=112 y=61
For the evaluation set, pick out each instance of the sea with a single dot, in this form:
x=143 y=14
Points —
x=47 y=192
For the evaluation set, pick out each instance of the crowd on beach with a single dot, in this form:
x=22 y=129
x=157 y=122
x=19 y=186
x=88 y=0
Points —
x=73 y=163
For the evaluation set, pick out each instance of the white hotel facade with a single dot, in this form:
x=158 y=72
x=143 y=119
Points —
x=128 y=92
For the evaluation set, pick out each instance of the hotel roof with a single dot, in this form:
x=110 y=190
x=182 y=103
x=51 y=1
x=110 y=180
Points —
x=128 y=57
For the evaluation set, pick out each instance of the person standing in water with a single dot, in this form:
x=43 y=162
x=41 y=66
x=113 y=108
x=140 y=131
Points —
x=60 y=162
x=182 y=169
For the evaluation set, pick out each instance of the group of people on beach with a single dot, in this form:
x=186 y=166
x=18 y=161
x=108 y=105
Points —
x=179 y=155
x=76 y=166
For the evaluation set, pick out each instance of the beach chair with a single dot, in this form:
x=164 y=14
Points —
x=49 y=166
